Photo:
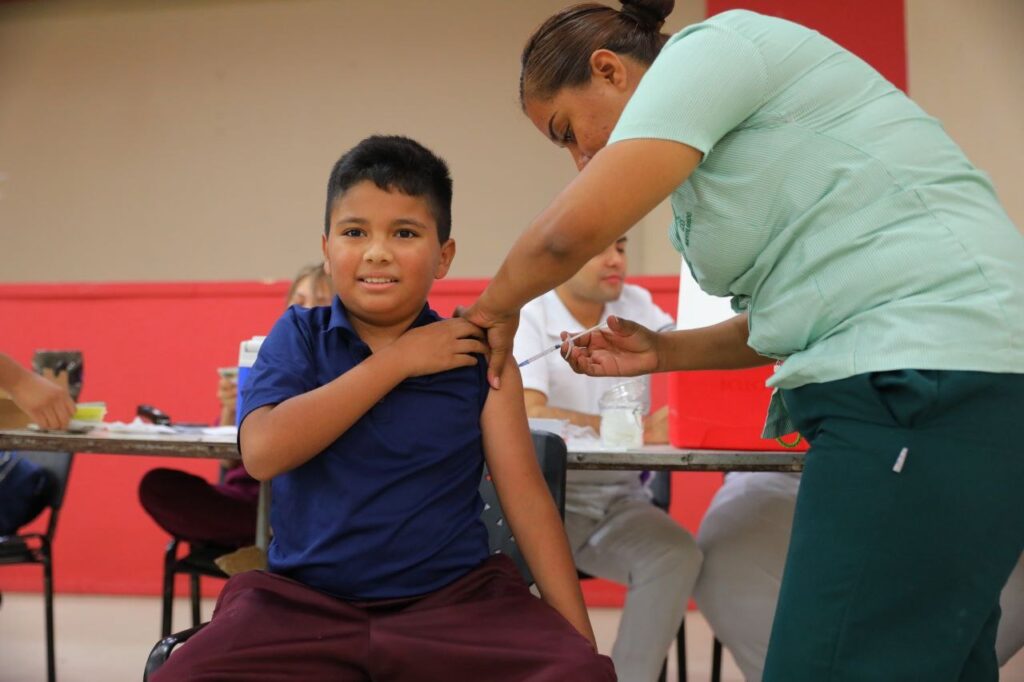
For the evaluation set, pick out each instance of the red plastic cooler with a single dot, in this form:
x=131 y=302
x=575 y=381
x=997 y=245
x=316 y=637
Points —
x=723 y=410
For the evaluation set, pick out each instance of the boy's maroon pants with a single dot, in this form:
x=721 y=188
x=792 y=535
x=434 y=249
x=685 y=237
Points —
x=484 y=627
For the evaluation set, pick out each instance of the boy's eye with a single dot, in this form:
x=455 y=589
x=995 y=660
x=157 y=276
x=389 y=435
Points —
x=406 y=234
x=352 y=232
x=567 y=136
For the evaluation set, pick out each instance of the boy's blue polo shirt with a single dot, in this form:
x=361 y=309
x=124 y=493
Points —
x=391 y=508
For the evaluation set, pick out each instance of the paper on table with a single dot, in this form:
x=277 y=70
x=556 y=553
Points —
x=220 y=431
x=74 y=426
x=137 y=426
x=582 y=438
x=559 y=427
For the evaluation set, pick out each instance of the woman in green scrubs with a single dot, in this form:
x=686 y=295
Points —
x=863 y=253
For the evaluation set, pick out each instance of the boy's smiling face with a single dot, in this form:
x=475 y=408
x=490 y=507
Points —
x=383 y=255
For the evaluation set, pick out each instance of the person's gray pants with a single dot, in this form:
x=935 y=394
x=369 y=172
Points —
x=640 y=546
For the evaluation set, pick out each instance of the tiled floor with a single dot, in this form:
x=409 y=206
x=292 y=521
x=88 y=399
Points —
x=108 y=639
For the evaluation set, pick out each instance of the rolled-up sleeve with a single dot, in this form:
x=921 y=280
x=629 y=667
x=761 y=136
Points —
x=284 y=367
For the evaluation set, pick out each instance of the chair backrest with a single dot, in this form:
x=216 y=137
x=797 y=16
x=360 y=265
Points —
x=551 y=456
x=59 y=466
x=660 y=485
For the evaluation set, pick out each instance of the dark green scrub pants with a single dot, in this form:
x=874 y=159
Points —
x=896 y=575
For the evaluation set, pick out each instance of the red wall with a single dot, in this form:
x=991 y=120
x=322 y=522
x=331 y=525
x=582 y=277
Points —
x=161 y=344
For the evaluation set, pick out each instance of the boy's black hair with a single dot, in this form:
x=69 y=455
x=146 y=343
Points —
x=393 y=162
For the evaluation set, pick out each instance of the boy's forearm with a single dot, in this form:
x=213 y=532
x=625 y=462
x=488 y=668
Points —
x=540 y=536
x=291 y=433
x=527 y=503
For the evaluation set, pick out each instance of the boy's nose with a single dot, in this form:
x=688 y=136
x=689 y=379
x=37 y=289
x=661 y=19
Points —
x=376 y=252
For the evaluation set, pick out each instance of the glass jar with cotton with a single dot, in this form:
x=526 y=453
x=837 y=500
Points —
x=622 y=415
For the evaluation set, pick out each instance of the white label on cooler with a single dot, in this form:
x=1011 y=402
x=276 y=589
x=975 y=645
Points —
x=696 y=308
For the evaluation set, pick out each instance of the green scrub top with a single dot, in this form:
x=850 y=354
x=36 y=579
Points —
x=830 y=207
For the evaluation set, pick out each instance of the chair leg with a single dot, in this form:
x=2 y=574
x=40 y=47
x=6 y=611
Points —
x=170 y=558
x=162 y=649
x=716 y=661
x=51 y=659
x=681 y=649
x=193 y=581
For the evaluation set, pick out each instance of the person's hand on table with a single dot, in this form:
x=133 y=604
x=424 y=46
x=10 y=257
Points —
x=625 y=349
x=501 y=332
x=47 y=403
x=656 y=427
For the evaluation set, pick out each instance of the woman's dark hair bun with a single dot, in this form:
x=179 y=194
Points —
x=649 y=14
x=557 y=55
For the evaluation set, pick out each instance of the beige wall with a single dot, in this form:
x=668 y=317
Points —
x=966 y=67
x=192 y=140
x=178 y=139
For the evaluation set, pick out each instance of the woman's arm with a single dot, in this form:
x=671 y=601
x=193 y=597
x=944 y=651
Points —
x=720 y=346
x=527 y=503
x=621 y=185
x=277 y=438
x=630 y=349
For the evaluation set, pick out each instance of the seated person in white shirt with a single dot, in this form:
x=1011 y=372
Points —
x=614 y=530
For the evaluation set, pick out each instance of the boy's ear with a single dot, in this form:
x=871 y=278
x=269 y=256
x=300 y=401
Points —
x=327 y=261
x=447 y=256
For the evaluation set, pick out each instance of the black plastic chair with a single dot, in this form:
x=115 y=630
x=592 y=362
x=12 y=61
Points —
x=661 y=497
x=551 y=455
x=197 y=562
x=37 y=548
x=716 y=661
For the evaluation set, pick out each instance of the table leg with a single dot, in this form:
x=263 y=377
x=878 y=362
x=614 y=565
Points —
x=263 y=517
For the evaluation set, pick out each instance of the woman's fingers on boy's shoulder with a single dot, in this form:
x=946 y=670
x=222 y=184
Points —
x=472 y=345
x=465 y=328
x=455 y=328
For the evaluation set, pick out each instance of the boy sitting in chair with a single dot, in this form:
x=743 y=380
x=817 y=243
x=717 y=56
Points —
x=373 y=417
